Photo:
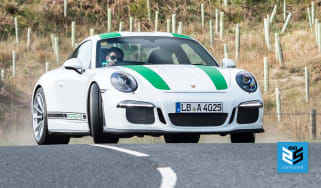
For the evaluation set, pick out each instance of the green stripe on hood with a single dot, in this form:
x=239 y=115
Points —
x=109 y=35
x=215 y=75
x=150 y=76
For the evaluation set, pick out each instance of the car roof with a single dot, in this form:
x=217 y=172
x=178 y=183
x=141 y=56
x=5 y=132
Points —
x=133 y=34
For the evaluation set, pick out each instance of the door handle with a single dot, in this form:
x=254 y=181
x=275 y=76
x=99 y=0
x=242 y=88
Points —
x=61 y=84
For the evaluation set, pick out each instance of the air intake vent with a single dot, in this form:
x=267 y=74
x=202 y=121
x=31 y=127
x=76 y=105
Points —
x=247 y=115
x=198 y=119
x=161 y=116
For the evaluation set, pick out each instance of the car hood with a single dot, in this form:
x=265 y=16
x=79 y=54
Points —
x=181 y=78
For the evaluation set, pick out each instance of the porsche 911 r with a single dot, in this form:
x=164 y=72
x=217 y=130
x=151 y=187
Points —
x=118 y=85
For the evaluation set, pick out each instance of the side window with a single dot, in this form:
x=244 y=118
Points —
x=75 y=53
x=84 y=54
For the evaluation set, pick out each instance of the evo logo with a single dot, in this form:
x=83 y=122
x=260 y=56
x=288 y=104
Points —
x=292 y=157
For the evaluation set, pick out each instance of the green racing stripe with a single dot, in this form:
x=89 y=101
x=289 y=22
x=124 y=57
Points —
x=181 y=36
x=150 y=76
x=109 y=35
x=215 y=75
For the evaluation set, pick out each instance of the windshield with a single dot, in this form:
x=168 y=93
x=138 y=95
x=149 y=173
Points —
x=151 y=51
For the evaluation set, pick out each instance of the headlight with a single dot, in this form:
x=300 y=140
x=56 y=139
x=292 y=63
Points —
x=123 y=82
x=246 y=81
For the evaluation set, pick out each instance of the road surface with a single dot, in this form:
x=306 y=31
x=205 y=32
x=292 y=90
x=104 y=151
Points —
x=152 y=165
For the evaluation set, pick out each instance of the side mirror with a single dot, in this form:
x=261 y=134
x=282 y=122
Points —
x=228 y=63
x=74 y=64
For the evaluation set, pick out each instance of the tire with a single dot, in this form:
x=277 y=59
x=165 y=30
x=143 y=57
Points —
x=96 y=120
x=182 y=138
x=40 y=122
x=242 y=137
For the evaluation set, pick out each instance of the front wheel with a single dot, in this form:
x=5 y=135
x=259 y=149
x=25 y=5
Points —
x=182 y=138
x=40 y=122
x=242 y=137
x=96 y=120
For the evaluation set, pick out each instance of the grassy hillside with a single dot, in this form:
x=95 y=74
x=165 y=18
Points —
x=45 y=17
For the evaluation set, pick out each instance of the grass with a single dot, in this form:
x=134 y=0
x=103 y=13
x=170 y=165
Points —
x=298 y=43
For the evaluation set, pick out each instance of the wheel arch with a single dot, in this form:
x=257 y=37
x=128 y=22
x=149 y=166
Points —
x=34 y=93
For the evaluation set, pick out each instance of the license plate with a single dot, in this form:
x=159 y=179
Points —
x=199 y=107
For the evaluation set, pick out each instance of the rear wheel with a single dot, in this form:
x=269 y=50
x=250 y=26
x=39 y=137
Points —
x=96 y=118
x=182 y=138
x=40 y=122
x=242 y=137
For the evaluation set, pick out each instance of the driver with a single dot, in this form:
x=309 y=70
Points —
x=113 y=56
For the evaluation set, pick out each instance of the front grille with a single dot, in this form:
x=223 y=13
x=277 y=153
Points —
x=197 y=119
x=247 y=115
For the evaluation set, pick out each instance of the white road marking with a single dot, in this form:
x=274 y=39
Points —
x=168 y=177
x=138 y=154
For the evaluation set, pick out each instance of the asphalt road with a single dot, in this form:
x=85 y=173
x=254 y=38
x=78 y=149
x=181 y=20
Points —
x=186 y=165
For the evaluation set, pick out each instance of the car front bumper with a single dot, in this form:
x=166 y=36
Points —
x=116 y=107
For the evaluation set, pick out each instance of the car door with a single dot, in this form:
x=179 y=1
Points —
x=75 y=85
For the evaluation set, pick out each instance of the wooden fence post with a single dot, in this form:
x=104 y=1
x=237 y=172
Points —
x=108 y=20
x=168 y=25
x=92 y=31
x=46 y=67
x=156 y=21
x=273 y=14
x=52 y=36
x=202 y=14
x=319 y=34
x=266 y=75
x=225 y=51
x=73 y=34
x=216 y=21
x=278 y=49
x=284 y=10
x=307 y=91
x=13 y=63
x=131 y=24
x=28 y=38
x=316 y=22
x=278 y=104
x=221 y=25
x=2 y=74
x=310 y=21
x=138 y=27
x=57 y=49
x=16 y=29
x=267 y=33
x=180 y=28
x=286 y=23
x=237 y=42
x=148 y=10
x=211 y=33
x=65 y=8
x=312 y=11
x=225 y=4
x=173 y=23
x=313 y=123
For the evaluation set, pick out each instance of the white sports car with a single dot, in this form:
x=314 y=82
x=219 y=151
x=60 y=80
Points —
x=118 y=85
